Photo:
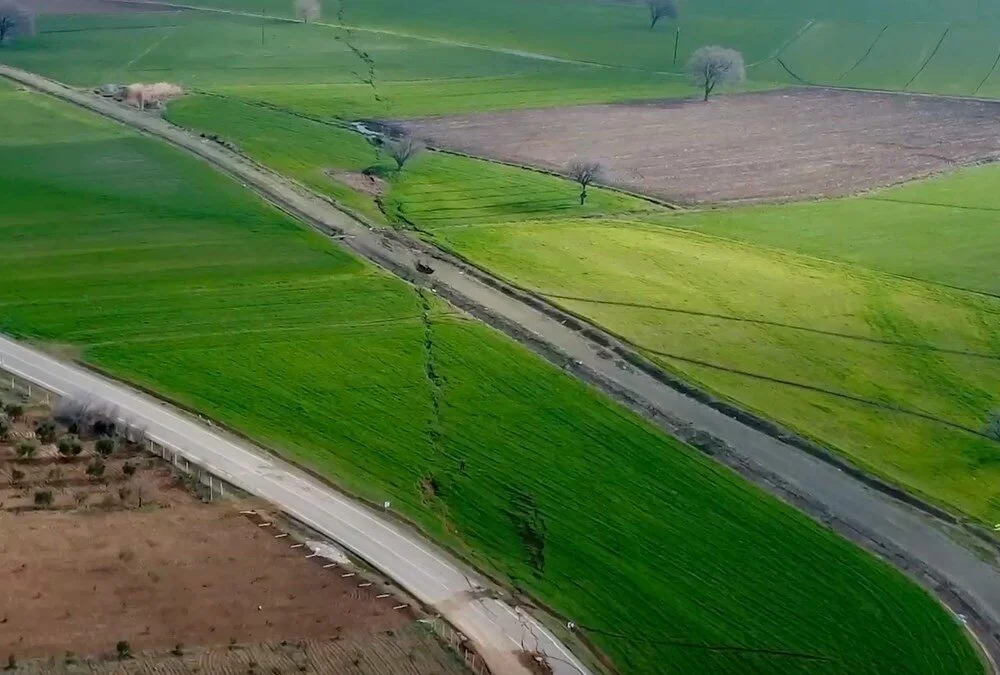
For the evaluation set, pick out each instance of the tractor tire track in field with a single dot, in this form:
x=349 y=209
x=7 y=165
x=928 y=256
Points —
x=929 y=58
x=817 y=389
x=985 y=79
x=775 y=324
x=410 y=36
x=864 y=56
x=957 y=560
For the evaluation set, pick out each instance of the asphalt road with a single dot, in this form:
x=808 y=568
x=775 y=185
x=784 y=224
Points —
x=943 y=558
x=437 y=580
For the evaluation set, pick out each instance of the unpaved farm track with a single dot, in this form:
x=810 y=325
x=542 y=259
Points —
x=955 y=562
x=768 y=146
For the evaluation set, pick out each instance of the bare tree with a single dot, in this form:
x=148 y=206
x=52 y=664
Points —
x=585 y=173
x=659 y=9
x=308 y=10
x=403 y=149
x=15 y=21
x=712 y=66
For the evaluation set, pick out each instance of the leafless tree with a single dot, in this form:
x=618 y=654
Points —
x=585 y=173
x=403 y=149
x=308 y=10
x=713 y=66
x=15 y=21
x=659 y=9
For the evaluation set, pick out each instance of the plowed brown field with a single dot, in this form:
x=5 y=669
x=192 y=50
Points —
x=750 y=147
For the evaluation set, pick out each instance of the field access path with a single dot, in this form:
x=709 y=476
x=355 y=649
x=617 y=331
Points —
x=942 y=555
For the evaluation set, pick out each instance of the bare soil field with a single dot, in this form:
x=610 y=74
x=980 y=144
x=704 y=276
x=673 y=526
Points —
x=406 y=651
x=102 y=546
x=769 y=146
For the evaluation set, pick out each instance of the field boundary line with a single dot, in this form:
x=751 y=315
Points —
x=930 y=58
x=958 y=580
x=385 y=129
x=864 y=56
x=788 y=43
x=814 y=388
x=146 y=52
x=622 y=347
x=535 y=56
x=989 y=74
x=766 y=322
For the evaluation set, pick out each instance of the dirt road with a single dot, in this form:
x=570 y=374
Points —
x=945 y=557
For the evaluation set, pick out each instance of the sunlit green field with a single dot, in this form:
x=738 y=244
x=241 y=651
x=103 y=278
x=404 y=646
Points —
x=167 y=274
x=436 y=189
x=942 y=230
x=928 y=46
x=923 y=360
x=735 y=306
x=318 y=69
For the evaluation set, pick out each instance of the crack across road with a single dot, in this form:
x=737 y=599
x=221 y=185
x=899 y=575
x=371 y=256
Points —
x=929 y=544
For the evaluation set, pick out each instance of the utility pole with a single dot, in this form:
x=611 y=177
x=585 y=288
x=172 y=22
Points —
x=262 y=26
x=677 y=39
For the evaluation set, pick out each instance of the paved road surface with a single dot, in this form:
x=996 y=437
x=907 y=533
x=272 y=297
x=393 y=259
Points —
x=926 y=548
x=428 y=574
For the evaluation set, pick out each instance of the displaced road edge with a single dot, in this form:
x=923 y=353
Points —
x=929 y=578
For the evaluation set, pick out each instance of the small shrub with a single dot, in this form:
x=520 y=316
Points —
x=105 y=446
x=47 y=430
x=16 y=476
x=103 y=427
x=124 y=649
x=26 y=449
x=128 y=470
x=43 y=498
x=992 y=428
x=70 y=446
x=96 y=469
x=15 y=411
x=4 y=426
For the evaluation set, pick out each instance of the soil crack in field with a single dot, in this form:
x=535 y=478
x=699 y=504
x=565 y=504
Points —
x=878 y=518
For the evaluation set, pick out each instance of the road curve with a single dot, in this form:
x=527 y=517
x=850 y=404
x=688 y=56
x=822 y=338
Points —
x=497 y=629
x=942 y=557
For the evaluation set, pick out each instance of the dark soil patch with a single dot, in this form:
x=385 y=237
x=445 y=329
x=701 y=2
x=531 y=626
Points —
x=362 y=182
x=770 y=146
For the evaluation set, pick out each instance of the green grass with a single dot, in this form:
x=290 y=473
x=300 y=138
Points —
x=799 y=320
x=313 y=69
x=515 y=222
x=617 y=34
x=435 y=189
x=456 y=56
x=941 y=230
x=172 y=276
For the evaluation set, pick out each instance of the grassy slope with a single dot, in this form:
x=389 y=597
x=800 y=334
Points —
x=436 y=189
x=313 y=69
x=941 y=230
x=618 y=34
x=459 y=201
x=170 y=275
x=704 y=299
